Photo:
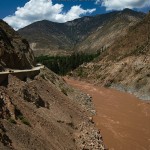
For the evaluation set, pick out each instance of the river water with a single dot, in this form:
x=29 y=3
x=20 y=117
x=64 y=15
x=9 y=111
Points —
x=123 y=119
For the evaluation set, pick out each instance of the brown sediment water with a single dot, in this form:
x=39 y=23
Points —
x=123 y=119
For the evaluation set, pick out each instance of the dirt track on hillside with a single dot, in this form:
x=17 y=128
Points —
x=124 y=120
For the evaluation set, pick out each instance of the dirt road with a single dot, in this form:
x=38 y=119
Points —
x=124 y=120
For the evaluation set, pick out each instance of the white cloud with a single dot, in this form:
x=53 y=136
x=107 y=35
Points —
x=121 y=4
x=43 y=10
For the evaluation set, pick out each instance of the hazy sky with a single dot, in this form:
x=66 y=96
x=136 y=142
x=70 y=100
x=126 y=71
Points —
x=19 y=13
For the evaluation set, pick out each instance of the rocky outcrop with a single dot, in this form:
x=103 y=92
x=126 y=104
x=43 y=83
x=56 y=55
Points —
x=15 y=52
x=126 y=64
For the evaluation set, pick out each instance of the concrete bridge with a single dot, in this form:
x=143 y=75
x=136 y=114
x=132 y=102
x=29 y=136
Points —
x=21 y=74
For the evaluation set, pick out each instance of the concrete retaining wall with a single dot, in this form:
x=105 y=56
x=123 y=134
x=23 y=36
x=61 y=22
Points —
x=21 y=75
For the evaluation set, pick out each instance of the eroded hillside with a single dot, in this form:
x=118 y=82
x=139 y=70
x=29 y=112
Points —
x=87 y=34
x=107 y=33
x=36 y=115
x=126 y=64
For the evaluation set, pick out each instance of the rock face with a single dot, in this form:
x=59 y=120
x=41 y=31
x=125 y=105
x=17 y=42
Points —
x=15 y=52
x=126 y=64
x=87 y=34
x=38 y=114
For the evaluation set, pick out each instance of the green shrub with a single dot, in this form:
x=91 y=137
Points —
x=64 y=91
x=24 y=120
x=12 y=121
x=64 y=64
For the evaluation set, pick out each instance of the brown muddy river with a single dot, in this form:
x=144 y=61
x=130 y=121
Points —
x=124 y=120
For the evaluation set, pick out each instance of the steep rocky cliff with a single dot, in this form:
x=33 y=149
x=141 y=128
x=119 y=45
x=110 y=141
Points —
x=14 y=51
x=126 y=64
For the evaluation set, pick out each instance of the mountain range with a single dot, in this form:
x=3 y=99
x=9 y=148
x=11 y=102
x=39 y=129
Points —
x=88 y=34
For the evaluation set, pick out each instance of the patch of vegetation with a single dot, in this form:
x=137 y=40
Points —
x=64 y=91
x=64 y=64
x=70 y=124
x=81 y=72
x=20 y=116
x=98 y=76
x=24 y=120
x=12 y=121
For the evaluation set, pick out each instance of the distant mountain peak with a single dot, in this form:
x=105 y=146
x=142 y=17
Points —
x=49 y=36
x=131 y=11
x=127 y=10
